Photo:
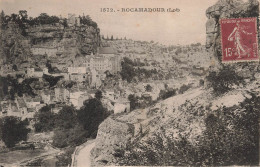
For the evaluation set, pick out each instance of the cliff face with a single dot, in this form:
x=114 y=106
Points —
x=17 y=42
x=113 y=134
x=226 y=9
x=14 y=46
x=84 y=39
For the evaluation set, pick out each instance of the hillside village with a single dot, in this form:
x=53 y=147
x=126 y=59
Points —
x=64 y=85
x=89 y=72
x=56 y=62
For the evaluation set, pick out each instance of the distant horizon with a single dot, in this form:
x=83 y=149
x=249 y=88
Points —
x=177 y=28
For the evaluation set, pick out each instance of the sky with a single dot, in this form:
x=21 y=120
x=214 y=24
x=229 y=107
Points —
x=169 y=28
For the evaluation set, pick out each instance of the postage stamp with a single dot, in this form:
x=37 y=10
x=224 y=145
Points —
x=239 y=39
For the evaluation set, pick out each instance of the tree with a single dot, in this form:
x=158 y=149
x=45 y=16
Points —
x=222 y=145
x=128 y=71
x=133 y=102
x=2 y=19
x=112 y=38
x=164 y=94
x=148 y=88
x=223 y=80
x=91 y=115
x=15 y=67
x=51 y=79
x=98 y=95
x=86 y=20
x=68 y=131
x=44 y=18
x=13 y=130
x=184 y=88
x=44 y=119
x=23 y=14
x=14 y=17
x=66 y=118
x=65 y=23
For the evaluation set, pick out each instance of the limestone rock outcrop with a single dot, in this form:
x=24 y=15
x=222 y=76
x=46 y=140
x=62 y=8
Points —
x=112 y=135
x=17 y=42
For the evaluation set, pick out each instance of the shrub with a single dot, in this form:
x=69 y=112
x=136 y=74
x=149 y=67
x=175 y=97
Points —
x=164 y=94
x=222 y=81
x=231 y=136
x=184 y=88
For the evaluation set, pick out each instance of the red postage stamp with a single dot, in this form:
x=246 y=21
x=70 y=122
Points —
x=239 y=39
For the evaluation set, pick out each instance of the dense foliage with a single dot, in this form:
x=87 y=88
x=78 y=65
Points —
x=13 y=130
x=137 y=102
x=72 y=127
x=44 y=119
x=22 y=20
x=15 y=88
x=132 y=71
x=164 y=94
x=52 y=80
x=86 y=20
x=91 y=115
x=184 y=88
x=224 y=80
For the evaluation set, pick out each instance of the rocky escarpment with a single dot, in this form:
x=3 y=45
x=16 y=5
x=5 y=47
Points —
x=16 y=41
x=14 y=46
x=226 y=9
x=82 y=39
x=112 y=135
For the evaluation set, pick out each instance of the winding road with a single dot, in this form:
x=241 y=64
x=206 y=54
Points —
x=82 y=154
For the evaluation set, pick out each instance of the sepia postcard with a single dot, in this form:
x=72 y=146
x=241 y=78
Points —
x=88 y=83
